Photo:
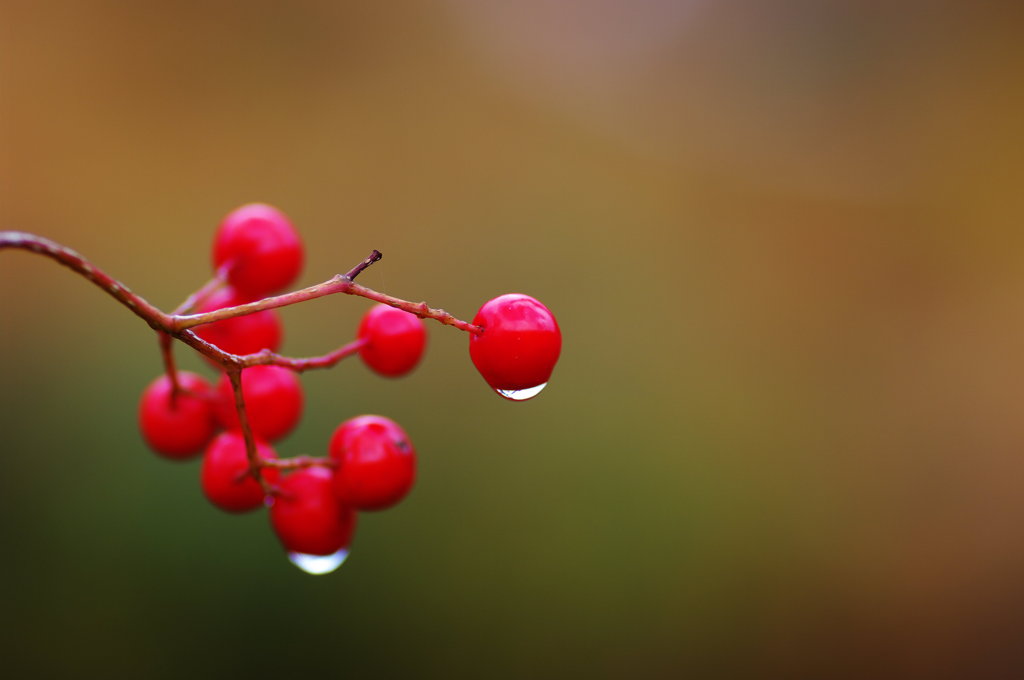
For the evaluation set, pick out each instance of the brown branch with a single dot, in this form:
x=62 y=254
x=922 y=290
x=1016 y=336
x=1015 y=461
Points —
x=72 y=260
x=177 y=325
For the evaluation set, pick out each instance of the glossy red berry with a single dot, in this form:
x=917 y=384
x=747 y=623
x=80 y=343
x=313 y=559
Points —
x=376 y=462
x=177 y=427
x=261 y=248
x=519 y=346
x=242 y=334
x=394 y=340
x=307 y=517
x=273 y=401
x=223 y=475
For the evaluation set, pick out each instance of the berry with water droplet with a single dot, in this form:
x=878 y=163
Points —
x=306 y=515
x=223 y=476
x=394 y=340
x=177 y=427
x=261 y=248
x=376 y=462
x=273 y=401
x=519 y=345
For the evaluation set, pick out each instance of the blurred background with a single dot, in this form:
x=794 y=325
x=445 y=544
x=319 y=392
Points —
x=783 y=240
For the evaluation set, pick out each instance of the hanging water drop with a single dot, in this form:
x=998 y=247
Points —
x=318 y=564
x=523 y=394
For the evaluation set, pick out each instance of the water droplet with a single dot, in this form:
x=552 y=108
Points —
x=318 y=564
x=524 y=394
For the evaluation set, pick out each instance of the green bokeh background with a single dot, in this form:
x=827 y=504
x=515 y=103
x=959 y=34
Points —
x=783 y=240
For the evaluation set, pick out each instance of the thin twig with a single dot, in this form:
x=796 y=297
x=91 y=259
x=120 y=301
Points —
x=204 y=292
x=420 y=309
x=342 y=283
x=297 y=462
x=374 y=256
x=300 y=364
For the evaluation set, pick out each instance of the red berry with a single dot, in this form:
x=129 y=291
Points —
x=307 y=517
x=376 y=463
x=394 y=340
x=519 y=346
x=177 y=428
x=261 y=248
x=223 y=475
x=273 y=401
x=242 y=334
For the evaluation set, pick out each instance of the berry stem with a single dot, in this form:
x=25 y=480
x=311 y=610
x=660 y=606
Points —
x=167 y=352
x=420 y=309
x=205 y=291
x=268 y=358
x=255 y=465
x=166 y=344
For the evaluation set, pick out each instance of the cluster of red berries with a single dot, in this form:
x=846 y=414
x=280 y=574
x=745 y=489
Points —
x=371 y=462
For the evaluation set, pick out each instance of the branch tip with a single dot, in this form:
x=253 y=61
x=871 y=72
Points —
x=374 y=256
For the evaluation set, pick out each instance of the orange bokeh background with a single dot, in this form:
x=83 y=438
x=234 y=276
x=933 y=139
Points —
x=783 y=241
